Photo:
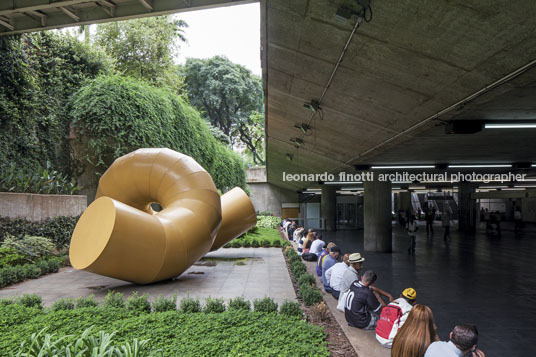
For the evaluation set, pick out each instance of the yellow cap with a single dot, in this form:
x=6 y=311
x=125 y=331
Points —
x=410 y=293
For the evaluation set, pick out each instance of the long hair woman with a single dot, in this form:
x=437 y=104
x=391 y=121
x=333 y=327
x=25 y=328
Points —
x=417 y=333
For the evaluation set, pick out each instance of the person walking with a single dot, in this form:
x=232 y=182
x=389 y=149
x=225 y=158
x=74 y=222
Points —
x=429 y=217
x=412 y=228
x=518 y=220
x=445 y=218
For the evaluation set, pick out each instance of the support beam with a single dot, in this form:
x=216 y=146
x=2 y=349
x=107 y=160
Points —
x=146 y=4
x=4 y=22
x=70 y=13
x=38 y=14
x=378 y=219
x=39 y=5
x=328 y=206
x=466 y=207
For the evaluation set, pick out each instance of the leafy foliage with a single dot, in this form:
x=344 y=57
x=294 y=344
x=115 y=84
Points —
x=38 y=73
x=89 y=301
x=268 y=221
x=32 y=247
x=161 y=304
x=138 y=303
x=59 y=229
x=14 y=274
x=239 y=303
x=87 y=345
x=63 y=304
x=265 y=305
x=9 y=256
x=214 y=305
x=116 y=115
x=145 y=48
x=291 y=308
x=227 y=333
x=114 y=300
x=189 y=305
x=231 y=98
x=37 y=180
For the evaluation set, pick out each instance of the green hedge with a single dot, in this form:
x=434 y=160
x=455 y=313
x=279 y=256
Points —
x=235 y=332
x=256 y=238
x=14 y=274
x=306 y=289
x=59 y=229
x=117 y=115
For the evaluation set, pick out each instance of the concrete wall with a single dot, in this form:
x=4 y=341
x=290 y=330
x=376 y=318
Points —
x=35 y=207
x=267 y=197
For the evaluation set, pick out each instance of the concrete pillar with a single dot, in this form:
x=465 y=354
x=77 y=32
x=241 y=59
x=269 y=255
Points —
x=466 y=207
x=404 y=201
x=328 y=207
x=378 y=229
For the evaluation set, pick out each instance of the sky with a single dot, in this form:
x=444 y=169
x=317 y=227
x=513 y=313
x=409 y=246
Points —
x=232 y=31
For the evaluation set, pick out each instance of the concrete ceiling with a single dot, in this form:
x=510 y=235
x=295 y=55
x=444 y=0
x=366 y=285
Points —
x=415 y=65
x=18 y=16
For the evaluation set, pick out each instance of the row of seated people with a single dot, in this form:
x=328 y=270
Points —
x=401 y=324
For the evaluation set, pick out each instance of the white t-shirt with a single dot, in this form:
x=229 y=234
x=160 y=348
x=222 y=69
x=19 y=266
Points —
x=334 y=275
x=316 y=246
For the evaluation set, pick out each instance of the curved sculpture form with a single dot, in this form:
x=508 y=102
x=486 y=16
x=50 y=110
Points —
x=120 y=236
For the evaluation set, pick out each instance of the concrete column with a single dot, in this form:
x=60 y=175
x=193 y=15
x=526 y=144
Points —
x=404 y=201
x=466 y=207
x=378 y=229
x=328 y=207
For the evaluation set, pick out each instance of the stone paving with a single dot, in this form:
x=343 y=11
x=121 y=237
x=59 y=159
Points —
x=226 y=274
x=474 y=278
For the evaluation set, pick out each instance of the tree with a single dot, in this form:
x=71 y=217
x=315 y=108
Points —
x=231 y=97
x=145 y=48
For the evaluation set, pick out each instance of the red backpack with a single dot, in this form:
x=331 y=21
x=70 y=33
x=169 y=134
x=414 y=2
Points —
x=390 y=314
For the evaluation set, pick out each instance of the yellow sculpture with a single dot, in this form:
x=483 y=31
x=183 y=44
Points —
x=120 y=236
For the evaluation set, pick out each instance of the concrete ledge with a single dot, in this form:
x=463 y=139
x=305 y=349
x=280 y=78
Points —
x=37 y=207
x=363 y=341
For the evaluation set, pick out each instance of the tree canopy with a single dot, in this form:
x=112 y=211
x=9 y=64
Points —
x=231 y=98
x=144 y=48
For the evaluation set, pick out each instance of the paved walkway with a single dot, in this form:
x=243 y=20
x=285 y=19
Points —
x=263 y=273
x=474 y=278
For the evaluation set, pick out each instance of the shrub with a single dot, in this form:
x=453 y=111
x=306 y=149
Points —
x=7 y=301
x=114 y=299
x=246 y=243
x=30 y=300
x=290 y=308
x=277 y=243
x=189 y=305
x=63 y=304
x=161 y=304
x=58 y=229
x=304 y=279
x=255 y=243
x=266 y=243
x=268 y=221
x=297 y=268
x=31 y=271
x=265 y=305
x=86 y=302
x=236 y=243
x=138 y=303
x=214 y=305
x=254 y=229
x=32 y=247
x=239 y=303
x=309 y=295
x=10 y=257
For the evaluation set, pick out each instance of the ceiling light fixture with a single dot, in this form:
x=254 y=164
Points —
x=297 y=142
x=510 y=126
x=478 y=166
x=402 y=167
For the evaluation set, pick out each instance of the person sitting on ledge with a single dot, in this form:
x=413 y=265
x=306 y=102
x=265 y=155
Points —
x=321 y=258
x=317 y=245
x=463 y=340
x=418 y=332
x=334 y=276
x=363 y=303
x=393 y=317
x=329 y=261
x=352 y=273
